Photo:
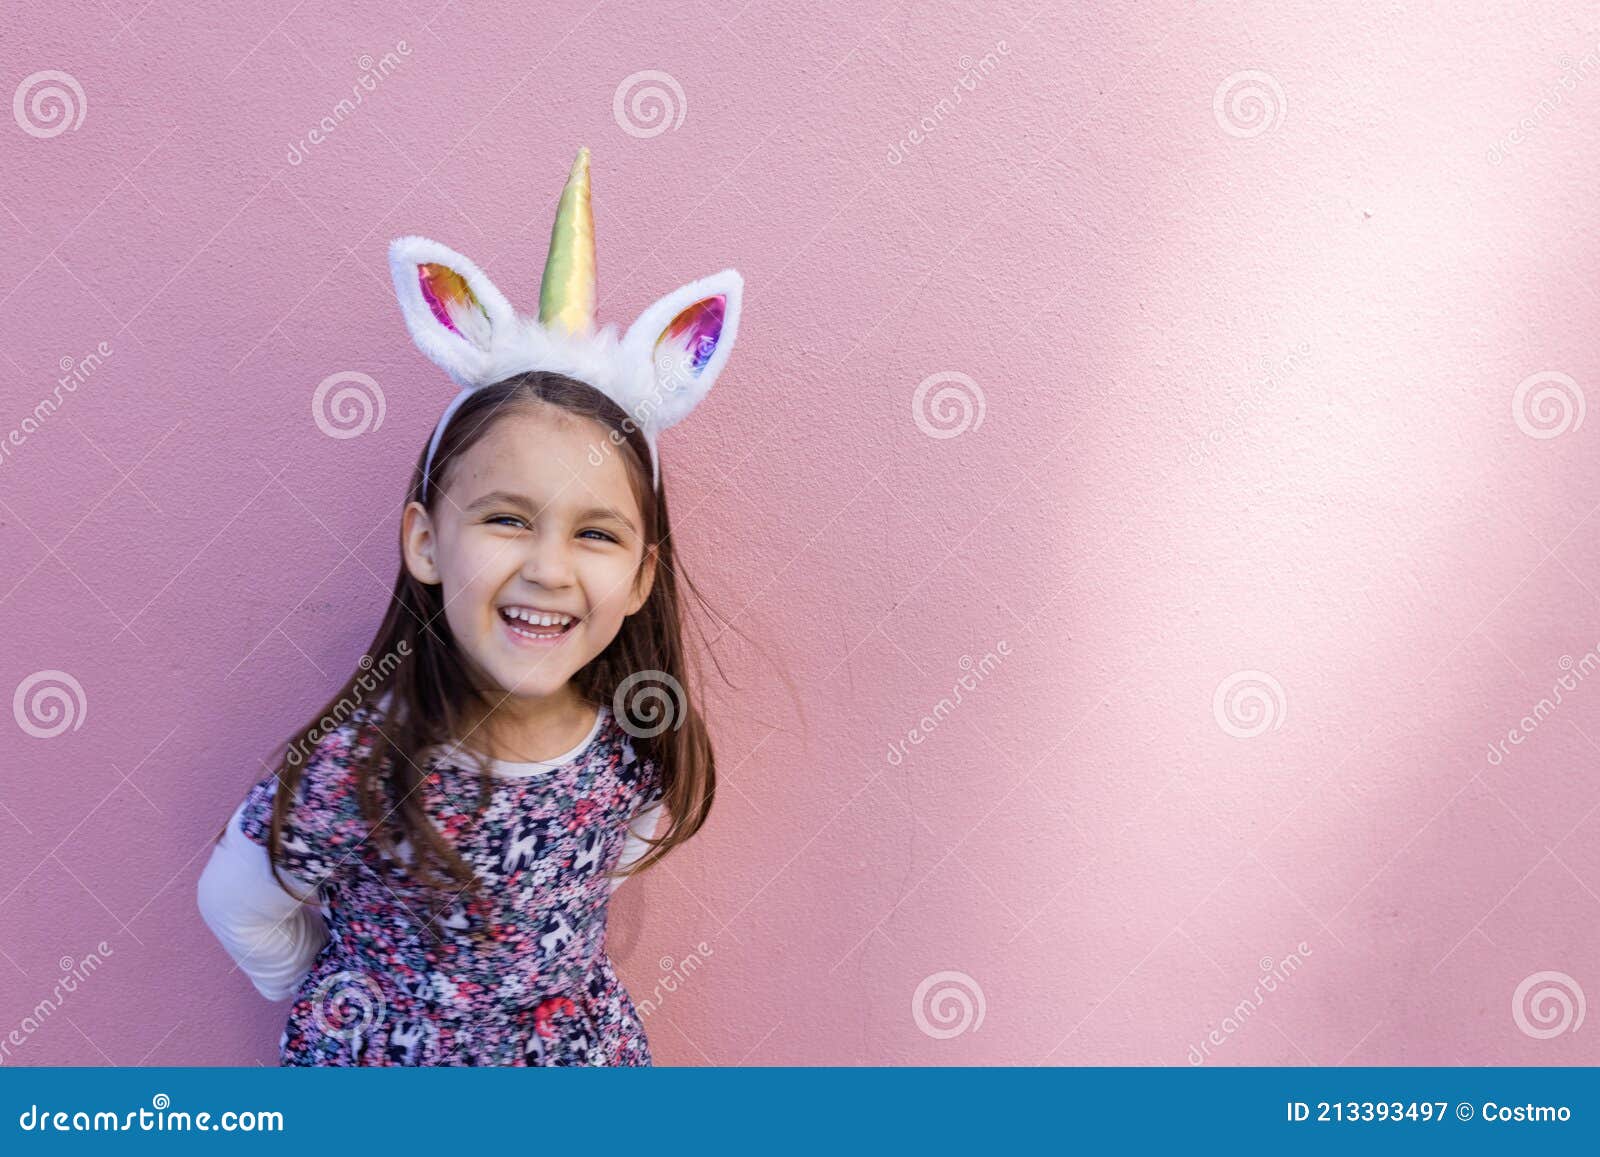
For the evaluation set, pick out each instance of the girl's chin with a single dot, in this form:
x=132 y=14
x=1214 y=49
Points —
x=528 y=680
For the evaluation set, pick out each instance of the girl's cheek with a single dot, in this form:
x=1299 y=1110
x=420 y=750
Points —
x=481 y=567
x=618 y=586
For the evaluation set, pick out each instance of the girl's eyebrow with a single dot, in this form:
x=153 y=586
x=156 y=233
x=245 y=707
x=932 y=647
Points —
x=510 y=498
x=606 y=513
x=499 y=498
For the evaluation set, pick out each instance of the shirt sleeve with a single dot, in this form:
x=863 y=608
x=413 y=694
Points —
x=272 y=937
x=648 y=821
x=323 y=829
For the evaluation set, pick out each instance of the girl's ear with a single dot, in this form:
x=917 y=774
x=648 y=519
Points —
x=418 y=544
x=455 y=314
x=686 y=337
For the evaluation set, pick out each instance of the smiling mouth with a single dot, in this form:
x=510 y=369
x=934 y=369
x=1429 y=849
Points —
x=536 y=631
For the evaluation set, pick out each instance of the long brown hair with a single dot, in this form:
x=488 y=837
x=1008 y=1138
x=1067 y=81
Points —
x=414 y=661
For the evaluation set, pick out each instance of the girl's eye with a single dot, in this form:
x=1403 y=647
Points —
x=502 y=519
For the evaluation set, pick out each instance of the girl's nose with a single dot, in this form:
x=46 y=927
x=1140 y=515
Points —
x=548 y=564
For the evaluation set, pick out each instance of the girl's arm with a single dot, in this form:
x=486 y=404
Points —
x=272 y=937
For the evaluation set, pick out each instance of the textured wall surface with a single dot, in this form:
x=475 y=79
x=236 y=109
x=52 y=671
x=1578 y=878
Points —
x=1153 y=481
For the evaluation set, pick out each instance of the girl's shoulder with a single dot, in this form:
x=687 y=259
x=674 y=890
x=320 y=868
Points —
x=637 y=764
x=325 y=813
x=341 y=741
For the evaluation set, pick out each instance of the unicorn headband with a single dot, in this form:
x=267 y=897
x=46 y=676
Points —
x=657 y=372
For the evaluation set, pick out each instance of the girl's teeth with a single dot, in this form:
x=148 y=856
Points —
x=538 y=620
x=536 y=625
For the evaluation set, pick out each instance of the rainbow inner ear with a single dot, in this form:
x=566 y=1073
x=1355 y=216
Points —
x=452 y=301
x=696 y=330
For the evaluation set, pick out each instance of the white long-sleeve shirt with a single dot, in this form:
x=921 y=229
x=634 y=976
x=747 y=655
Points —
x=274 y=938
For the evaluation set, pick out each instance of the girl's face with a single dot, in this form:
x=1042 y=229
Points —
x=528 y=526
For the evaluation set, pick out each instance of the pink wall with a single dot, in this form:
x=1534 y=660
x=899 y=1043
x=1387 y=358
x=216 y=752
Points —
x=1250 y=408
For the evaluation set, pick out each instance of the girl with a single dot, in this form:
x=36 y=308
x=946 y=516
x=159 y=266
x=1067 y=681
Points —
x=518 y=738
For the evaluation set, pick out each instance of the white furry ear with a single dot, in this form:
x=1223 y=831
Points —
x=686 y=338
x=454 y=312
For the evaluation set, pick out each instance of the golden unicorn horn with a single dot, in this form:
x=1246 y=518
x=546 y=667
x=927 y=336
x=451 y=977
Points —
x=567 y=294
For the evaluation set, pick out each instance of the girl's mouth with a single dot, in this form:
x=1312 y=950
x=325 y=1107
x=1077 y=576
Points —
x=526 y=634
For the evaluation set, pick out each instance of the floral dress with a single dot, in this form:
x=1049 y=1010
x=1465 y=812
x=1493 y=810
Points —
x=519 y=974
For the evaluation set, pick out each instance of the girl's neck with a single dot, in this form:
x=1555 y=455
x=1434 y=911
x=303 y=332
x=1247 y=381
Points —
x=528 y=730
